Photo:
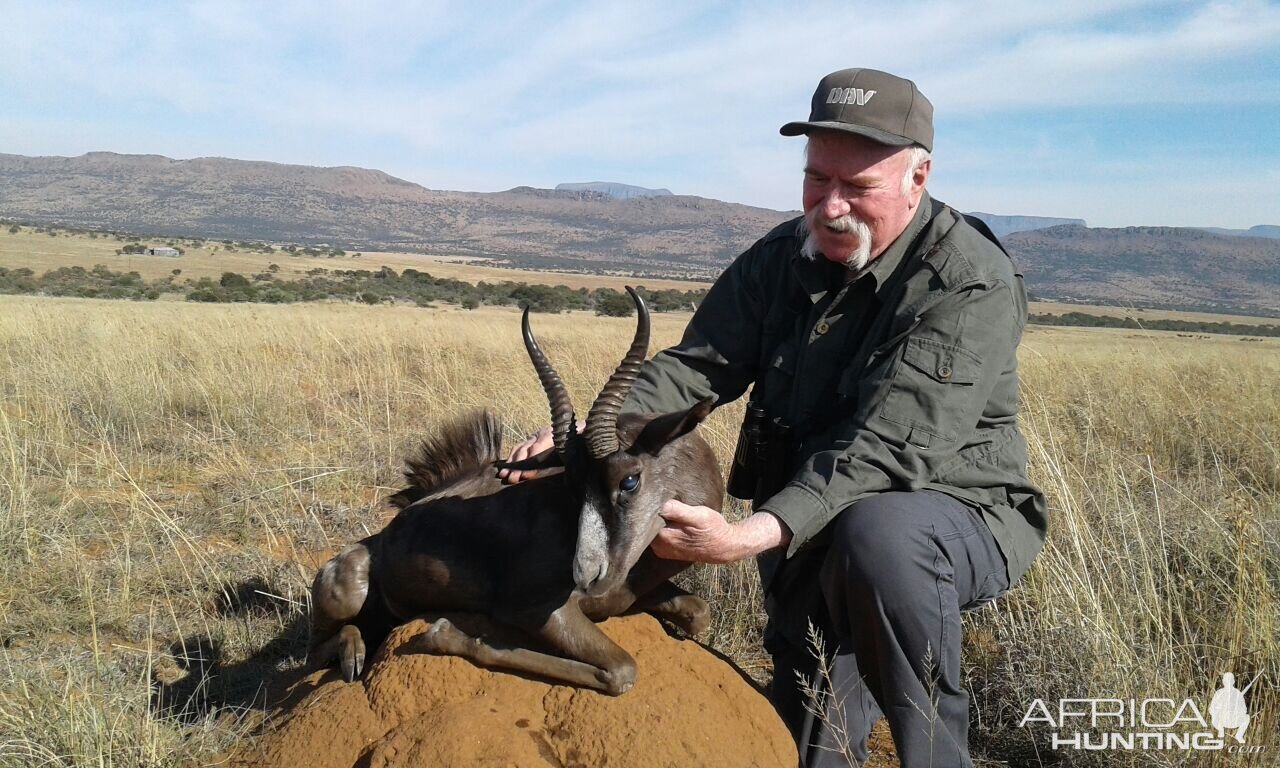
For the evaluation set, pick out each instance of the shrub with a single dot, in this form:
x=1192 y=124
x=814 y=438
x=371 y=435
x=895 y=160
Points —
x=203 y=294
x=610 y=303
x=538 y=298
x=275 y=295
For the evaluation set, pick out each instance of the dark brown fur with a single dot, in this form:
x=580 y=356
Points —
x=464 y=542
x=547 y=557
x=459 y=450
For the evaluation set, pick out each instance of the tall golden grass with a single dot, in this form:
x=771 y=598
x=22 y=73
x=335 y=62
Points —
x=171 y=475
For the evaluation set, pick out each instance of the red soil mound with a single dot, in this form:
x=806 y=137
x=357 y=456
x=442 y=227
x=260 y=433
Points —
x=688 y=708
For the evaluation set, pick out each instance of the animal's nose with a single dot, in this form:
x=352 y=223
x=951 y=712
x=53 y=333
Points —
x=588 y=575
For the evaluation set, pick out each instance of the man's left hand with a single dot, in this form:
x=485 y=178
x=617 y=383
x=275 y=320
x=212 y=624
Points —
x=702 y=535
x=695 y=534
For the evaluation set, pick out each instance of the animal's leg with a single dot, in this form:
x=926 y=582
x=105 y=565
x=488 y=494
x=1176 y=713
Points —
x=689 y=613
x=593 y=660
x=337 y=596
x=347 y=647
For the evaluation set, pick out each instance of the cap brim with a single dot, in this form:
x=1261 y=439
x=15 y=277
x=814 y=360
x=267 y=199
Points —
x=875 y=134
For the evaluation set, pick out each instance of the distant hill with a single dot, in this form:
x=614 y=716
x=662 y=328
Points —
x=677 y=235
x=1260 y=230
x=587 y=230
x=1007 y=225
x=1174 y=267
x=613 y=189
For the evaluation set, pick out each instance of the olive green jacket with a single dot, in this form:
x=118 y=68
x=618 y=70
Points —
x=917 y=389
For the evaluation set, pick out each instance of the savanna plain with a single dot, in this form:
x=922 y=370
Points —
x=171 y=474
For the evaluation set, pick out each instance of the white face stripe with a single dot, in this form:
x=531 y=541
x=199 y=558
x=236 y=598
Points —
x=592 y=556
x=593 y=537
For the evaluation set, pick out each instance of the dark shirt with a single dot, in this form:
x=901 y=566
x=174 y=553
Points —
x=903 y=379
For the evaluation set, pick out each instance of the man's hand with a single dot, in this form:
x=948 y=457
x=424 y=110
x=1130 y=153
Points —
x=702 y=535
x=532 y=446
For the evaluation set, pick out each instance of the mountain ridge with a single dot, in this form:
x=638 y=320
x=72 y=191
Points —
x=585 y=230
x=613 y=189
x=1003 y=225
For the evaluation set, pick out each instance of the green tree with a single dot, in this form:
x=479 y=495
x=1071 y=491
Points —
x=233 y=280
x=610 y=303
x=203 y=294
x=538 y=298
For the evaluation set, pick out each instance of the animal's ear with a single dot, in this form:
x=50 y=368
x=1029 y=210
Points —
x=663 y=429
x=545 y=460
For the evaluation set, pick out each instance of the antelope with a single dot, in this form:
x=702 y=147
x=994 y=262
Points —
x=548 y=557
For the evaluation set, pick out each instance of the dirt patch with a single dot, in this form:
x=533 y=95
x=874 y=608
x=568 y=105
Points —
x=688 y=707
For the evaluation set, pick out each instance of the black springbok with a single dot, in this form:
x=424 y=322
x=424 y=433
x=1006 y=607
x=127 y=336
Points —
x=549 y=556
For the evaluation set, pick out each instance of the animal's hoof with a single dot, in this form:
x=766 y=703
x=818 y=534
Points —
x=698 y=623
x=351 y=653
x=691 y=615
x=443 y=638
x=619 y=681
x=617 y=689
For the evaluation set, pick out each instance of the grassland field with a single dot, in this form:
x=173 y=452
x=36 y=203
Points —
x=171 y=474
x=210 y=258
x=39 y=252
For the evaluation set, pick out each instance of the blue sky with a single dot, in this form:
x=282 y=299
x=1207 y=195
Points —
x=1125 y=112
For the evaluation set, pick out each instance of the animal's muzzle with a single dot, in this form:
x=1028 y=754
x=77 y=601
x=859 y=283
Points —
x=589 y=576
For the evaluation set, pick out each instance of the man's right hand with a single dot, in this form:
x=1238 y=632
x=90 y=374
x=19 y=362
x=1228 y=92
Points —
x=532 y=446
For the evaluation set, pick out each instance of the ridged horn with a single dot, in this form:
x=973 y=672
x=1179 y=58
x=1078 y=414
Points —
x=602 y=421
x=562 y=421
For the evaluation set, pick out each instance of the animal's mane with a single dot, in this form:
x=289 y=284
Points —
x=457 y=450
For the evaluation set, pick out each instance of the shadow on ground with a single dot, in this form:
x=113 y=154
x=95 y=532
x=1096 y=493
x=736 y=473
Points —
x=210 y=684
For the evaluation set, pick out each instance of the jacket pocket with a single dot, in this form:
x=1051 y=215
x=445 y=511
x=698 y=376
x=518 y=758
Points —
x=930 y=391
x=779 y=377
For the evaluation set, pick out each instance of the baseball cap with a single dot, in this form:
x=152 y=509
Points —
x=882 y=107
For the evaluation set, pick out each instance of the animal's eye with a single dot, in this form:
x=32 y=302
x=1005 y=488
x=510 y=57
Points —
x=629 y=483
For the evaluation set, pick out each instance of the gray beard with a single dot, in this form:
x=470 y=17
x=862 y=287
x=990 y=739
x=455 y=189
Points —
x=856 y=260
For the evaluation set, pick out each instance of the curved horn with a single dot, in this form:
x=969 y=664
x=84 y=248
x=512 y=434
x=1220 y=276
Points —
x=562 y=421
x=602 y=421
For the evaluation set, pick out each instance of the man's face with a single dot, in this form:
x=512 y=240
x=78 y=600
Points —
x=849 y=176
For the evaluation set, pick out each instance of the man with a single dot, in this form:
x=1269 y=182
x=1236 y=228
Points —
x=878 y=334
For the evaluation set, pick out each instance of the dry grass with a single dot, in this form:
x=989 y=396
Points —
x=1161 y=459
x=40 y=252
x=170 y=474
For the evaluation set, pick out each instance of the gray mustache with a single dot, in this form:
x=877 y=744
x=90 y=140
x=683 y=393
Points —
x=842 y=224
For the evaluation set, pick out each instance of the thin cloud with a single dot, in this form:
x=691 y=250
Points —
x=681 y=95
